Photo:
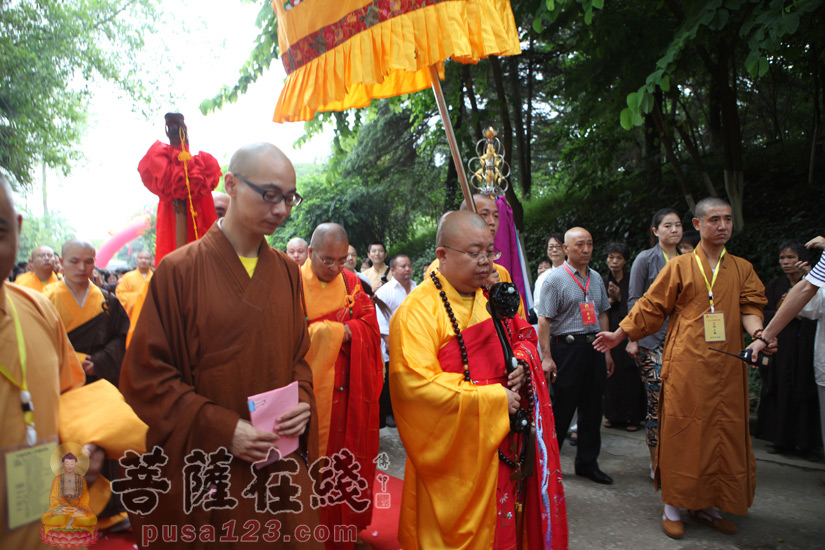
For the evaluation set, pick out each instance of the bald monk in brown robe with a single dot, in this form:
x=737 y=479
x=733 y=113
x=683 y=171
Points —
x=704 y=461
x=223 y=321
x=42 y=260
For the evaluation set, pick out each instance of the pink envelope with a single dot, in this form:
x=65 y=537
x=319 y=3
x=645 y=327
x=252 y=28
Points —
x=264 y=408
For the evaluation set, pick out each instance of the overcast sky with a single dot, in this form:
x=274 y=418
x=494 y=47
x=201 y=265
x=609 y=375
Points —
x=104 y=191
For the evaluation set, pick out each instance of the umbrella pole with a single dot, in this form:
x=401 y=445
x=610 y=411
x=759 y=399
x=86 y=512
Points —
x=448 y=127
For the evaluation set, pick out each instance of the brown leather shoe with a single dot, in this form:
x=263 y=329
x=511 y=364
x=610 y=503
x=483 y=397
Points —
x=673 y=529
x=720 y=524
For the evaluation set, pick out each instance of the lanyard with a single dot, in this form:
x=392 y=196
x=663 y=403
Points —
x=25 y=396
x=585 y=289
x=715 y=273
x=665 y=255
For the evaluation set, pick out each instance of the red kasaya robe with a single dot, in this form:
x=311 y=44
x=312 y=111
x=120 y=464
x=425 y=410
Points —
x=353 y=386
x=457 y=491
x=163 y=174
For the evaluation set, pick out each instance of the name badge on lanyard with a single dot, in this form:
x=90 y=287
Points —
x=588 y=313
x=714 y=322
x=588 y=308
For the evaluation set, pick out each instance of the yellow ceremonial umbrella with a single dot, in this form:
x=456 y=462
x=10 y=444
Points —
x=340 y=54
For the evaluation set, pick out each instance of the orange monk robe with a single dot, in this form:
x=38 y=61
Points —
x=129 y=286
x=503 y=275
x=347 y=377
x=138 y=306
x=30 y=280
x=52 y=368
x=97 y=329
x=705 y=456
x=452 y=429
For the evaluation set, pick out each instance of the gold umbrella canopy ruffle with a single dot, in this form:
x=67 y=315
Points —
x=339 y=54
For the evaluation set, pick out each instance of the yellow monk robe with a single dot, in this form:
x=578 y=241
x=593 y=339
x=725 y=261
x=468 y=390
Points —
x=52 y=368
x=69 y=515
x=456 y=492
x=97 y=329
x=30 y=280
x=503 y=275
x=704 y=456
x=129 y=287
x=347 y=378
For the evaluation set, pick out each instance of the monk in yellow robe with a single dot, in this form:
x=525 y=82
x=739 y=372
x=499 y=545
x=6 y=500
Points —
x=96 y=322
x=51 y=366
x=132 y=282
x=704 y=460
x=42 y=260
x=69 y=512
x=347 y=367
x=97 y=325
x=488 y=210
x=471 y=482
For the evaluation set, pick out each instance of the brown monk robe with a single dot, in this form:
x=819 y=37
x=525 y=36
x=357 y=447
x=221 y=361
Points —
x=222 y=321
x=704 y=459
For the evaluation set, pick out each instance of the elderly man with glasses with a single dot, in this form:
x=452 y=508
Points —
x=347 y=367
x=42 y=260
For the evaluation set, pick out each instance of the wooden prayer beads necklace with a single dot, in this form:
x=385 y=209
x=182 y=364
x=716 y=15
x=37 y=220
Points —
x=458 y=335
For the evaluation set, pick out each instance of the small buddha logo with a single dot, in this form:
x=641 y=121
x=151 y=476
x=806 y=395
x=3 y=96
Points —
x=69 y=521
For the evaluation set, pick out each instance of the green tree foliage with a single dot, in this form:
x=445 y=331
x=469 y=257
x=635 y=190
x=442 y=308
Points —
x=51 y=230
x=49 y=52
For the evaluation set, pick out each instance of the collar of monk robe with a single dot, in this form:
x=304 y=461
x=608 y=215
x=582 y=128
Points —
x=484 y=354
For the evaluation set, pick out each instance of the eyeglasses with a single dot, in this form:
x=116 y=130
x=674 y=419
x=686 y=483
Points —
x=329 y=262
x=272 y=196
x=554 y=247
x=478 y=256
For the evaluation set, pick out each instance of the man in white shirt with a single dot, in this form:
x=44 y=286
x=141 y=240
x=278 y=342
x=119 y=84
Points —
x=388 y=298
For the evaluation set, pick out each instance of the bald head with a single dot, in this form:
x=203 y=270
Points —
x=705 y=205
x=77 y=245
x=454 y=224
x=487 y=209
x=42 y=262
x=9 y=229
x=479 y=198
x=463 y=242
x=578 y=245
x=575 y=233
x=78 y=260
x=221 y=201
x=328 y=247
x=249 y=159
x=297 y=249
x=328 y=233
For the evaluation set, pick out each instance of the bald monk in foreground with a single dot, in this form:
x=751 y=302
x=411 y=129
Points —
x=346 y=361
x=207 y=339
x=51 y=368
x=42 y=260
x=469 y=481
x=488 y=210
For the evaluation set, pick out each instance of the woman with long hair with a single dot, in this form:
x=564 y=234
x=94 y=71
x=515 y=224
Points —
x=666 y=232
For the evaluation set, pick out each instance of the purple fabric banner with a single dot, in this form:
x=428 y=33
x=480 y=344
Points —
x=507 y=242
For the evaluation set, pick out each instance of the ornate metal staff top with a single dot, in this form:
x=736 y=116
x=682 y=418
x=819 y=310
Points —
x=489 y=169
